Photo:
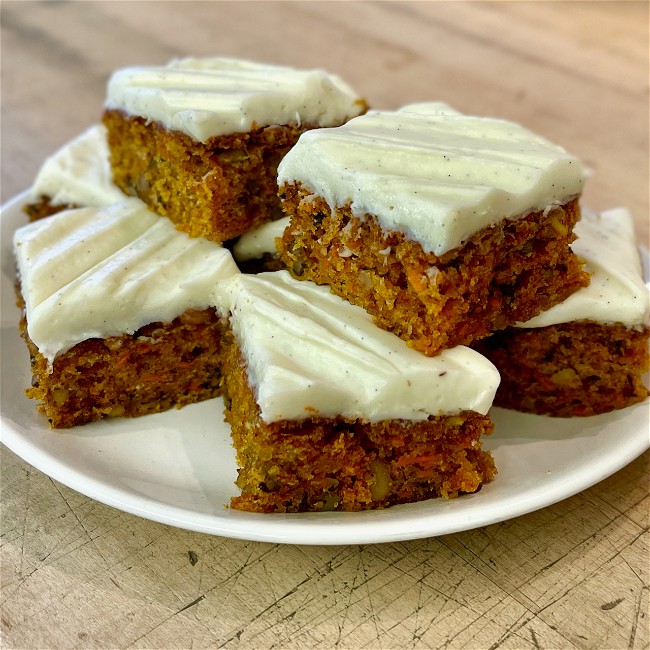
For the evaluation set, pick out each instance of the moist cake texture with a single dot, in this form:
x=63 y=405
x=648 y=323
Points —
x=77 y=175
x=118 y=312
x=588 y=354
x=199 y=140
x=444 y=227
x=328 y=412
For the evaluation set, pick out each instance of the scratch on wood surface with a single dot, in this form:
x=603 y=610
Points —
x=347 y=601
x=237 y=634
x=194 y=602
x=513 y=629
x=369 y=593
x=639 y=613
x=612 y=604
x=341 y=622
x=533 y=636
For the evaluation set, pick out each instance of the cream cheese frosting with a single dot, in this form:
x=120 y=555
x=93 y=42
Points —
x=256 y=243
x=205 y=98
x=100 y=272
x=616 y=292
x=432 y=173
x=311 y=353
x=79 y=173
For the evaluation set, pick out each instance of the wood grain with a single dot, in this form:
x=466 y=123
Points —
x=79 y=574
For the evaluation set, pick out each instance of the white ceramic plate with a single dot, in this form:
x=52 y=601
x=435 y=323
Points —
x=179 y=467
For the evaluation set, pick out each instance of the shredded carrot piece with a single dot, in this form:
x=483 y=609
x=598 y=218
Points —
x=155 y=377
x=417 y=279
x=424 y=460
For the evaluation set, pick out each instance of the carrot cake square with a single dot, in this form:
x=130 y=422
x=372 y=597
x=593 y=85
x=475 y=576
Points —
x=199 y=140
x=588 y=354
x=118 y=313
x=329 y=412
x=443 y=226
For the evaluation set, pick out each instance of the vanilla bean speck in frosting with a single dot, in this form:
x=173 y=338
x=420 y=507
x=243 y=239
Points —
x=433 y=173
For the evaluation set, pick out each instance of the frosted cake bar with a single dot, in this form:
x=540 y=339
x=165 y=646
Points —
x=444 y=227
x=588 y=354
x=199 y=140
x=328 y=412
x=118 y=312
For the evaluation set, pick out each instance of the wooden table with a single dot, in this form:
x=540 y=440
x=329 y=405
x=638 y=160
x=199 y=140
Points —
x=76 y=573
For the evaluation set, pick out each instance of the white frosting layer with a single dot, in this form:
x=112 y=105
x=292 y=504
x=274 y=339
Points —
x=311 y=353
x=616 y=291
x=100 y=272
x=432 y=173
x=255 y=243
x=217 y=96
x=79 y=173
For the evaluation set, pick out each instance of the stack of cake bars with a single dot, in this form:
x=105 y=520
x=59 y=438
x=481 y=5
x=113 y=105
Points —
x=394 y=273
